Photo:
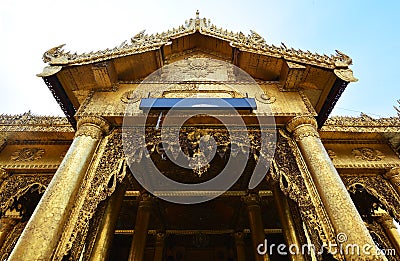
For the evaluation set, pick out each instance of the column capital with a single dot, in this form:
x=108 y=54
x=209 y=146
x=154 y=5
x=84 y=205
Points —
x=146 y=200
x=93 y=126
x=299 y=121
x=239 y=236
x=303 y=126
x=251 y=199
x=160 y=236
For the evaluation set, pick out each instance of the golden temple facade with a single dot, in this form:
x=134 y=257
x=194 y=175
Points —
x=296 y=184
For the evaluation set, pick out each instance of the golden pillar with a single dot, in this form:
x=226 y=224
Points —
x=288 y=224
x=252 y=202
x=240 y=246
x=42 y=232
x=337 y=202
x=138 y=245
x=103 y=242
x=386 y=221
x=159 y=250
x=393 y=176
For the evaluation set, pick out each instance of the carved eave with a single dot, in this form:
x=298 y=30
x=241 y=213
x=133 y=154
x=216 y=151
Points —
x=28 y=127
x=72 y=77
x=30 y=143
x=363 y=128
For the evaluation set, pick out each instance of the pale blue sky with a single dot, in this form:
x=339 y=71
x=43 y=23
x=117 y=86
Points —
x=365 y=30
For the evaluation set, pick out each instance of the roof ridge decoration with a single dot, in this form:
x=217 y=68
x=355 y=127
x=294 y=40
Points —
x=28 y=118
x=56 y=57
x=363 y=120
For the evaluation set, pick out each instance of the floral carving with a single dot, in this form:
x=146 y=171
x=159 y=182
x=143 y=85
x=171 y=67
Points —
x=27 y=154
x=367 y=154
x=195 y=67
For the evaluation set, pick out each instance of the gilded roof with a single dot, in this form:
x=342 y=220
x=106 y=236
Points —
x=143 y=42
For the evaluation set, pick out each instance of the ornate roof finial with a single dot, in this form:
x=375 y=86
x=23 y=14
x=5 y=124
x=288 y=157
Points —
x=197 y=14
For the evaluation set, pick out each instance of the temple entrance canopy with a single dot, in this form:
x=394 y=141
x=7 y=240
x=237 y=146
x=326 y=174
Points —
x=321 y=78
x=199 y=143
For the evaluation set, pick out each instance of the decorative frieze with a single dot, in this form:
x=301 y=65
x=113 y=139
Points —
x=27 y=154
x=368 y=154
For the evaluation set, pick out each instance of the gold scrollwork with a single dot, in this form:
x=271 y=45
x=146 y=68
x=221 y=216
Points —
x=367 y=154
x=27 y=154
x=17 y=185
x=3 y=175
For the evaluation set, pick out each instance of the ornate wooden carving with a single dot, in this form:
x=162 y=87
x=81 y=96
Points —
x=107 y=170
x=378 y=187
x=295 y=181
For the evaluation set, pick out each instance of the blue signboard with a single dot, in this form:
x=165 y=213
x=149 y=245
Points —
x=198 y=103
